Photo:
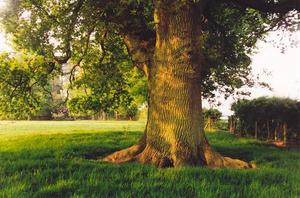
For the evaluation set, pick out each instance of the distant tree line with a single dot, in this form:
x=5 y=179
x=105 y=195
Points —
x=267 y=118
x=31 y=89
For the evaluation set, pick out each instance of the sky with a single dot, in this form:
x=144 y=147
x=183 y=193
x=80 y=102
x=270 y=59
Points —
x=3 y=3
x=280 y=70
x=4 y=45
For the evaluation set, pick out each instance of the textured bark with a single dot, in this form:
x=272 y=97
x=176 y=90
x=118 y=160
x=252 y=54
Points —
x=174 y=133
x=140 y=50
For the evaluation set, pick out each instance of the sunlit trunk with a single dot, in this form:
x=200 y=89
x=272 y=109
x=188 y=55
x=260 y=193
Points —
x=174 y=133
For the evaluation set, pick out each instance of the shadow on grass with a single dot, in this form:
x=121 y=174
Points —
x=83 y=145
x=63 y=165
x=252 y=150
x=94 y=146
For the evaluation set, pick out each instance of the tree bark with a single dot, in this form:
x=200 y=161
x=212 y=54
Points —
x=140 y=51
x=174 y=134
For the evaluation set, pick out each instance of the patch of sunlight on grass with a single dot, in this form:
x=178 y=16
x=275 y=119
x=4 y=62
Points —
x=16 y=128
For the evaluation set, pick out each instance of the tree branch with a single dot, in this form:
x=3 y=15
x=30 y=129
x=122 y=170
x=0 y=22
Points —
x=140 y=51
x=40 y=7
x=131 y=21
x=73 y=20
x=282 y=6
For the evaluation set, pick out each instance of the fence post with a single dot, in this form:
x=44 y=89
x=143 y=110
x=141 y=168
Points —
x=256 y=130
x=285 y=132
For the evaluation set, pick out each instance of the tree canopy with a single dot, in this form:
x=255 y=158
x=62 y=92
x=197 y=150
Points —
x=24 y=86
x=74 y=31
x=268 y=114
x=187 y=49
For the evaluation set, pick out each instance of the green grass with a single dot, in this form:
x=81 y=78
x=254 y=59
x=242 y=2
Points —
x=57 y=159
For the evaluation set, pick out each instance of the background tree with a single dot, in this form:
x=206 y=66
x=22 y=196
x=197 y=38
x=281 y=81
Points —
x=110 y=86
x=211 y=116
x=25 y=89
x=268 y=118
x=167 y=41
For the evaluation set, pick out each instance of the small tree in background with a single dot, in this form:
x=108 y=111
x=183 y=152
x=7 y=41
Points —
x=25 y=88
x=268 y=118
x=211 y=116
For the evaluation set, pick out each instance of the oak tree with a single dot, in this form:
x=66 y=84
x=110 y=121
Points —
x=175 y=43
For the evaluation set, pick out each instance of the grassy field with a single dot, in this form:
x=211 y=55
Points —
x=58 y=159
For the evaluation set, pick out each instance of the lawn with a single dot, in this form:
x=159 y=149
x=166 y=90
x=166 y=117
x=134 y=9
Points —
x=59 y=159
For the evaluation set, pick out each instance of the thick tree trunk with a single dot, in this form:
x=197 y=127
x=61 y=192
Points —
x=174 y=133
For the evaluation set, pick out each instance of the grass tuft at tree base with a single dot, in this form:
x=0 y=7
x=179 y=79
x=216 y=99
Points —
x=57 y=159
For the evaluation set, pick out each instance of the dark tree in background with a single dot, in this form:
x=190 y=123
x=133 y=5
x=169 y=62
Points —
x=268 y=118
x=183 y=47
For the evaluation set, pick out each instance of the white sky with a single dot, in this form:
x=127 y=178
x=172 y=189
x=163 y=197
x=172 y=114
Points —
x=3 y=3
x=284 y=69
x=4 y=45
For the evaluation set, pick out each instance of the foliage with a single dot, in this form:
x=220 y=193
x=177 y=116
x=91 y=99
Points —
x=267 y=111
x=222 y=125
x=25 y=91
x=211 y=119
x=90 y=35
x=82 y=31
x=227 y=46
x=39 y=160
x=110 y=85
x=211 y=113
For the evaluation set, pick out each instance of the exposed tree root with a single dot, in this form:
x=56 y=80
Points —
x=215 y=160
x=125 y=155
x=141 y=154
x=146 y=155
x=151 y=156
